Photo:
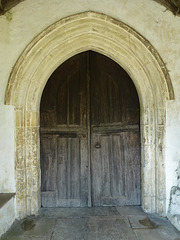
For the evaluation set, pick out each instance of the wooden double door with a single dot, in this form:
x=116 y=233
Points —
x=90 y=146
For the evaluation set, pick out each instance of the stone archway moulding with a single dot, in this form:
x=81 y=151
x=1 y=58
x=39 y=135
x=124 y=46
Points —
x=57 y=43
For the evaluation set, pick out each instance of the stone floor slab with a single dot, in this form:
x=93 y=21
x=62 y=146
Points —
x=110 y=228
x=131 y=210
x=43 y=228
x=156 y=234
x=160 y=220
x=78 y=212
x=15 y=233
x=71 y=228
x=101 y=228
x=142 y=222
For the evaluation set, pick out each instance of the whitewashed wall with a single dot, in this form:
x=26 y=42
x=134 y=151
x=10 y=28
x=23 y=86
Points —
x=19 y=26
x=7 y=183
x=7 y=216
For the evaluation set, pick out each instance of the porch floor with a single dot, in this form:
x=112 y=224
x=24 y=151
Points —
x=101 y=223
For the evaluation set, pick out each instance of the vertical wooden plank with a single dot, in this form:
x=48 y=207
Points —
x=62 y=103
x=61 y=168
x=84 y=171
x=48 y=170
x=96 y=171
x=106 y=169
x=132 y=167
x=130 y=102
x=74 y=100
x=48 y=162
x=119 y=165
x=75 y=170
x=69 y=172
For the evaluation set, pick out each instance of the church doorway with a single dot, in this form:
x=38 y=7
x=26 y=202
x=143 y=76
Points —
x=90 y=135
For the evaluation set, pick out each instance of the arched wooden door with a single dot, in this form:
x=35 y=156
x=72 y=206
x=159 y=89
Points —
x=90 y=143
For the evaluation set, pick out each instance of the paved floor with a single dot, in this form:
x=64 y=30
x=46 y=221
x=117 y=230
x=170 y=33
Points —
x=103 y=223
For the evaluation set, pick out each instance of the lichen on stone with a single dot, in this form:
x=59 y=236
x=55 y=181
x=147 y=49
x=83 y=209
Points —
x=8 y=16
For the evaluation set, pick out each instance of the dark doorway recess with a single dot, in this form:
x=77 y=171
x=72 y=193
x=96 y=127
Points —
x=90 y=135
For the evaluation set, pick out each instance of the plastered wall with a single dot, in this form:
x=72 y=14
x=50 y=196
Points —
x=19 y=26
x=7 y=183
x=7 y=216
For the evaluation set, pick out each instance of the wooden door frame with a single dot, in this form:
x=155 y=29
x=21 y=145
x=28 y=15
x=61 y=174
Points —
x=57 y=43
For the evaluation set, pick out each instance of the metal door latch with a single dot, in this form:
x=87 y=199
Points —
x=97 y=145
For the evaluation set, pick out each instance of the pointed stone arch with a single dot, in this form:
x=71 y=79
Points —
x=57 y=43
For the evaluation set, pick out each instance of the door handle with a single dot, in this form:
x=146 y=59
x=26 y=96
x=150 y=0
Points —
x=97 y=145
x=83 y=135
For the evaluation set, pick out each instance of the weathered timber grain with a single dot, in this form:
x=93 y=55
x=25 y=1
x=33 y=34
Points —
x=90 y=146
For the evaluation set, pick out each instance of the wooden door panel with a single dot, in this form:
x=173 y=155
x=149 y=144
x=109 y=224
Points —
x=48 y=162
x=69 y=101
x=48 y=170
x=106 y=96
x=69 y=173
x=116 y=169
x=114 y=114
x=65 y=101
x=132 y=167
